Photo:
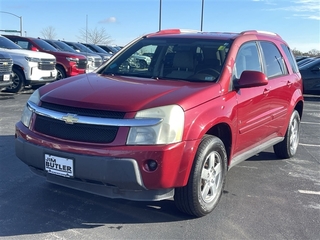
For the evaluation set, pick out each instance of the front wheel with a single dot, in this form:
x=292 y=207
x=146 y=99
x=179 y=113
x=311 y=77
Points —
x=60 y=73
x=205 y=185
x=18 y=81
x=288 y=147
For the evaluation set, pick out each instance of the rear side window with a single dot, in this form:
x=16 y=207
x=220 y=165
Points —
x=275 y=65
x=23 y=44
x=290 y=57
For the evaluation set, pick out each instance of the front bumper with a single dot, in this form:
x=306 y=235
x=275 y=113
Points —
x=35 y=75
x=5 y=83
x=106 y=176
x=111 y=171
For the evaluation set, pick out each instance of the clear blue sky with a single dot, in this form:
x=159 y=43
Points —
x=297 y=21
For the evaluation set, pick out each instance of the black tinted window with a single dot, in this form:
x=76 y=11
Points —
x=6 y=43
x=44 y=45
x=275 y=65
x=290 y=57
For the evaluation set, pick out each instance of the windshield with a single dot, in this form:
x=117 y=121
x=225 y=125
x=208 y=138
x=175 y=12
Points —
x=44 y=45
x=63 y=46
x=188 y=59
x=8 y=44
x=99 y=49
x=82 y=48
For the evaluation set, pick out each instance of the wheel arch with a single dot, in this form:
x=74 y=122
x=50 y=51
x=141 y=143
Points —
x=19 y=68
x=299 y=108
x=222 y=131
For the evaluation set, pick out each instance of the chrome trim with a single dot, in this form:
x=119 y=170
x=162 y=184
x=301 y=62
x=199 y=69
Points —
x=143 y=122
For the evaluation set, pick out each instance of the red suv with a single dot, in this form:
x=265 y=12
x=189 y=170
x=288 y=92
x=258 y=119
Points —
x=68 y=64
x=206 y=102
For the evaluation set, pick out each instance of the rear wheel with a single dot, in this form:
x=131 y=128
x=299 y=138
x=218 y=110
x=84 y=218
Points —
x=204 y=189
x=18 y=81
x=288 y=147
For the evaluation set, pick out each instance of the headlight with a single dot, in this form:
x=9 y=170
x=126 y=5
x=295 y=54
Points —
x=73 y=59
x=27 y=113
x=32 y=59
x=170 y=130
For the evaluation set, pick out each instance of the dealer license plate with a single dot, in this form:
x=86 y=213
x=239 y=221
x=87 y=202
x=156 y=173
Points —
x=59 y=165
x=6 y=77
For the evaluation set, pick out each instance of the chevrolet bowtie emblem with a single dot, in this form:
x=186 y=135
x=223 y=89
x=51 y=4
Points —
x=70 y=118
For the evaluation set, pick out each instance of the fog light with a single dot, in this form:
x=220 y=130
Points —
x=151 y=165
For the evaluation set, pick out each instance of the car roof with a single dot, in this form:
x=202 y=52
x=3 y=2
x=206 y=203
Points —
x=186 y=33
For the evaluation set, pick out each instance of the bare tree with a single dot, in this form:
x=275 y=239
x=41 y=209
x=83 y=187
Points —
x=95 y=36
x=314 y=53
x=49 y=33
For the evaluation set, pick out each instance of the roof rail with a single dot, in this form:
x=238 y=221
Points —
x=258 y=31
x=176 y=31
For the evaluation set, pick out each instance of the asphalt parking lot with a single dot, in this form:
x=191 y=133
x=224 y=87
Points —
x=264 y=197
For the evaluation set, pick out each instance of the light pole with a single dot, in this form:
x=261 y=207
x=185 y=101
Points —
x=202 y=16
x=17 y=17
x=160 y=15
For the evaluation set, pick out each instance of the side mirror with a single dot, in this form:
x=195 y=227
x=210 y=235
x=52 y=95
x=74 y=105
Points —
x=250 y=79
x=34 y=49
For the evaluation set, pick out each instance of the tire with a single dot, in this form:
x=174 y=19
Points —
x=18 y=81
x=288 y=147
x=60 y=73
x=142 y=64
x=206 y=181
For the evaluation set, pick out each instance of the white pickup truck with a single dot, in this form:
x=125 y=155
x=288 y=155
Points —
x=29 y=68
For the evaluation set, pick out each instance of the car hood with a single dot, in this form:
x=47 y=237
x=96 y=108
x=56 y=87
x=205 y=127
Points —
x=126 y=94
x=27 y=53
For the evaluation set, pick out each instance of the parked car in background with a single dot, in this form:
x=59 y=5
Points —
x=310 y=73
x=139 y=61
x=299 y=58
x=83 y=49
x=67 y=64
x=109 y=49
x=93 y=60
x=95 y=48
x=305 y=61
x=29 y=68
x=6 y=73
x=171 y=130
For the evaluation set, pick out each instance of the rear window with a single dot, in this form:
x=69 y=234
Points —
x=290 y=57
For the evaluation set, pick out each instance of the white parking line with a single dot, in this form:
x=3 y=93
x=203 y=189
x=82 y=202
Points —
x=309 y=145
x=309 y=192
x=311 y=123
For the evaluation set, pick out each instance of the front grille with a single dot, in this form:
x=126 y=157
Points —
x=47 y=64
x=77 y=131
x=97 y=62
x=82 y=64
x=5 y=65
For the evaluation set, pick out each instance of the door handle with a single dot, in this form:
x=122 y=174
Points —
x=289 y=83
x=266 y=90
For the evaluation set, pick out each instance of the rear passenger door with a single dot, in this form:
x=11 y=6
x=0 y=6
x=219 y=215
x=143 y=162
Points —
x=280 y=86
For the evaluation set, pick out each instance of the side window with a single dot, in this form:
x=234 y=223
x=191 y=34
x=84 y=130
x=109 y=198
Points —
x=290 y=57
x=275 y=65
x=22 y=44
x=247 y=59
